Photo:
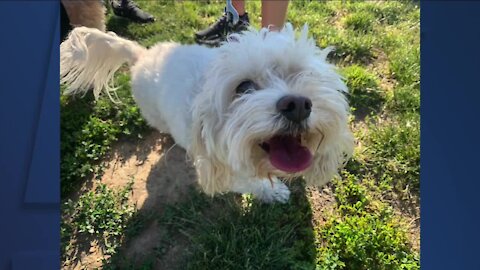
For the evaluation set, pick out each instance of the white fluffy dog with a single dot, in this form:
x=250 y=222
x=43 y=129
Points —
x=261 y=106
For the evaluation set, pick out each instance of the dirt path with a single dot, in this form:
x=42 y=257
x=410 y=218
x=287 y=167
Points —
x=161 y=175
x=160 y=170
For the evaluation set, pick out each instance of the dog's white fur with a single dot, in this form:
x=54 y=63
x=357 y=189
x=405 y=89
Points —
x=189 y=92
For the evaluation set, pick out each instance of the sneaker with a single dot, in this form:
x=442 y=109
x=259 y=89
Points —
x=129 y=9
x=217 y=32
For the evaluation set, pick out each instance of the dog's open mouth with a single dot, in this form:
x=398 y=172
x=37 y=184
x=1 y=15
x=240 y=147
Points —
x=287 y=153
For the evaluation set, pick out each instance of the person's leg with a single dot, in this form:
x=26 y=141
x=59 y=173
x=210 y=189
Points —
x=85 y=13
x=130 y=10
x=239 y=5
x=217 y=32
x=274 y=14
x=65 y=26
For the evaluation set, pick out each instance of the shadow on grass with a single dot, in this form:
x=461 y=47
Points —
x=178 y=227
x=364 y=95
x=120 y=26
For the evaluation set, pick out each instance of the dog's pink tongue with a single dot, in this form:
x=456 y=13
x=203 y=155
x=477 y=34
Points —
x=288 y=155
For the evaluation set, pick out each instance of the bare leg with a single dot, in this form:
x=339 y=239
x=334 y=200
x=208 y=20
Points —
x=216 y=33
x=274 y=14
x=239 y=5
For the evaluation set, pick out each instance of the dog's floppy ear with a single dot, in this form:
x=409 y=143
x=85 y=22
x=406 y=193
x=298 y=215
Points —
x=330 y=158
x=213 y=175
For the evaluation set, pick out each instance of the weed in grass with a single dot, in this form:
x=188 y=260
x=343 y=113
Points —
x=132 y=228
x=364 y=234
x=101 y=214
x=351 y=197
x=367 y=241
x=360 y=22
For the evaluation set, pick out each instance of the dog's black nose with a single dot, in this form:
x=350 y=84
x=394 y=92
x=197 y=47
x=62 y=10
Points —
x=295 y=108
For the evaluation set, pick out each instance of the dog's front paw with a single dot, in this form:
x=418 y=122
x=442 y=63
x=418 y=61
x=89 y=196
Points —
x=273 y=191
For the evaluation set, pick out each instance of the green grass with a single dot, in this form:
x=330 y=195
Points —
x=366 y=224
x=363 y=233
x=251 y=235
x=364 y=93
x=393 y=155
x=361 y=22
x=102 y=214
x=89 y=128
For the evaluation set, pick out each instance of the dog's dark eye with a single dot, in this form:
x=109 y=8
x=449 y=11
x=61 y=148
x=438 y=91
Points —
x=245 y=87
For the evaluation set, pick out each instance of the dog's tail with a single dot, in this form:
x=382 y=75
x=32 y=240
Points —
x=90 y=57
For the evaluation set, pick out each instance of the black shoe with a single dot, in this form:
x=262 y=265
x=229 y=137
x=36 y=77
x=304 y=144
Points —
x=130 y=10
x=218 y=31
